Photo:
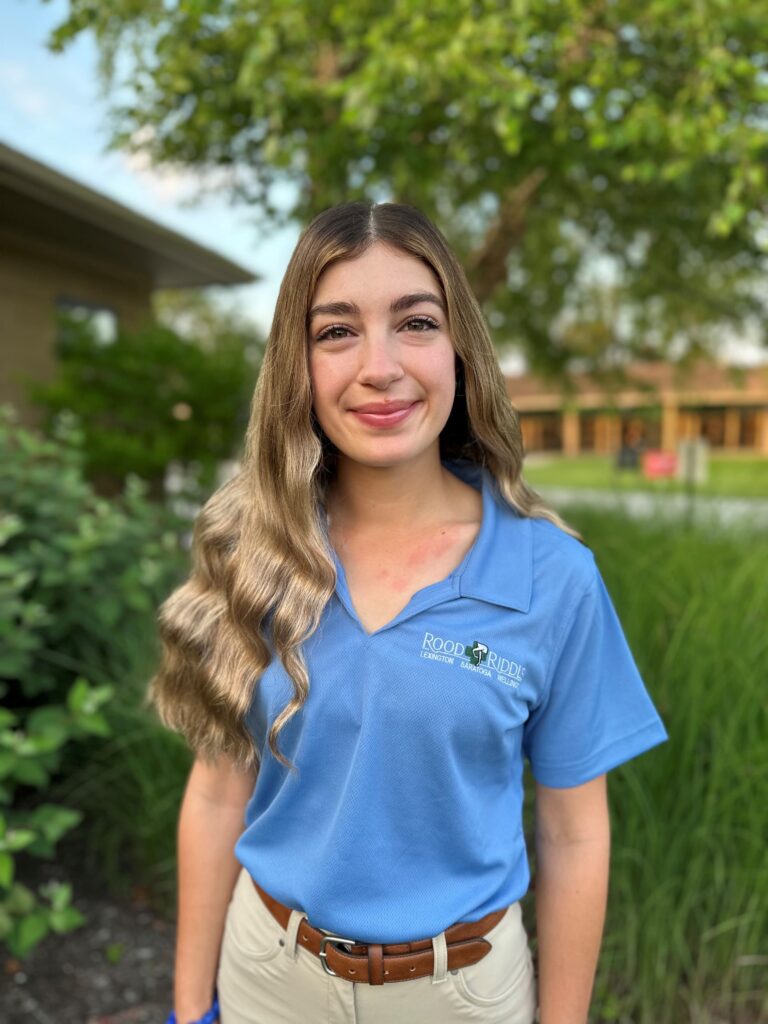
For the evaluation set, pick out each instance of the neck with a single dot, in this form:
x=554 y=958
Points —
x=404 y=495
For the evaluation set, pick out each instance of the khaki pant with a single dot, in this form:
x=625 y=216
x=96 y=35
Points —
x=265 y=978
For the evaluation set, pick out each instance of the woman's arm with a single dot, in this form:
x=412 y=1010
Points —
x=210 y=823
x=572 y=860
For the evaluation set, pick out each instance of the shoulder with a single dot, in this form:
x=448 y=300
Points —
x=562 y=567
x=529 y=560
x=561 y=563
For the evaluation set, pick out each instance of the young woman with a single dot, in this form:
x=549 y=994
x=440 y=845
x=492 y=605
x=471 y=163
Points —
x=382 y=622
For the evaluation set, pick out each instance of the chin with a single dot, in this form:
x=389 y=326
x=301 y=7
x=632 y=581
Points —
x=384 y=456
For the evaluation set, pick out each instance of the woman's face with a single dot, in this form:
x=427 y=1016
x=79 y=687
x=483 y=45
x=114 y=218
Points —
x=381 y=361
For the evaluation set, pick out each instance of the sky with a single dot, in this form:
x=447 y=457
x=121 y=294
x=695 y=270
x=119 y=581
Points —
x=51 y=110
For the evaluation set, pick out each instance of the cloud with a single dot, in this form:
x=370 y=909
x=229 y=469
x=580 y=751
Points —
x=169 y=185
x=22 y=92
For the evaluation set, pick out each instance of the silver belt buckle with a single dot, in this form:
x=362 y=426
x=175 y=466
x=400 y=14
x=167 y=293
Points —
x=324 y=940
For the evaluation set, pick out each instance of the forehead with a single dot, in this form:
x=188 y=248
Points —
x=381 y=272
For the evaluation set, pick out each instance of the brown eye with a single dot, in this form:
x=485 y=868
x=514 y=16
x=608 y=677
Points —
x=426 y=321
x=326 y=332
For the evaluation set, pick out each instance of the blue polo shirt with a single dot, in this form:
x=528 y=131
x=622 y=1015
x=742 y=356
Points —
x=406 y=814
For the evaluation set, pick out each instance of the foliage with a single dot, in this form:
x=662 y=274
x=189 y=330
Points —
x=205 y=317
x=686 y=931
x=540 y=135
x=153 y=397
x=80 y=577
x=128 y=793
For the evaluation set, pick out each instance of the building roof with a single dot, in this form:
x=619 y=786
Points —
x=647 y=382
x=41 y=202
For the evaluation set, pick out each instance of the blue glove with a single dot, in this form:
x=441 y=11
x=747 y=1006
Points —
x=209 y=1017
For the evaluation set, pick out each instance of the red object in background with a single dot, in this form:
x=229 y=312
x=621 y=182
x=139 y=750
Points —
x=658 y=464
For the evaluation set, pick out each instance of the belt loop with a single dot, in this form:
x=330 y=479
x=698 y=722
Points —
x=440 y=951
x=375 y=963
x=292 y=932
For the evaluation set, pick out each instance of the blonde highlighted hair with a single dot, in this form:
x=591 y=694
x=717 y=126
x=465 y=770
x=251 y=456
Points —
x=262 y=570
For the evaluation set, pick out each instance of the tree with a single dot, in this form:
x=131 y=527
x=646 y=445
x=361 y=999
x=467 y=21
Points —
x=209 y=318
x=175 y=393
x=538 y=135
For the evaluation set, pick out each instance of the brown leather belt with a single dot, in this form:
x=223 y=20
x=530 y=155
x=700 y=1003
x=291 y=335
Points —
x=374 y=963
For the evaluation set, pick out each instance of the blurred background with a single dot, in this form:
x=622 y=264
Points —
x=600 y=168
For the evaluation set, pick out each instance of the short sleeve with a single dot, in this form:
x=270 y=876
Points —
x=596 y=712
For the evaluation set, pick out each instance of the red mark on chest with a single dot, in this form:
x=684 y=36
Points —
x=404 y=569
x=431 y=549
x=391 y=580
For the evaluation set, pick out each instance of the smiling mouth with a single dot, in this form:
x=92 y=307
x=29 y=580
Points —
x=383 y=417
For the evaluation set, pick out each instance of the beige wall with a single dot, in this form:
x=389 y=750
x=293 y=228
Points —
x=33 y=277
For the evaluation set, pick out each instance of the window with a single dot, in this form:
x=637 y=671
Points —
x=72 y=313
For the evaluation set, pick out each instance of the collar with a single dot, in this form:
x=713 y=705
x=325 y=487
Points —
x=499 y=568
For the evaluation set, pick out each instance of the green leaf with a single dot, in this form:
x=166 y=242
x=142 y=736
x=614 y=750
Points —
x=66 y=919
x=51 y=721
x=10 y=526
x=96 y=724
x=59 y=893
x=20 y=899
x=16 y=839
x=53 y=821
x=114 y=952
x=27 y=932
x=78 y=694
x=6 y=869
x=30 y=773
x=7 y=718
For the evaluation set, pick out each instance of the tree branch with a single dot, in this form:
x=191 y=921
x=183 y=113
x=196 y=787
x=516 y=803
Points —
x=487 y=267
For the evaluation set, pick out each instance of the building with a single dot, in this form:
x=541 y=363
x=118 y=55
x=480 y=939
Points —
x=661 y=405
x=66 y=247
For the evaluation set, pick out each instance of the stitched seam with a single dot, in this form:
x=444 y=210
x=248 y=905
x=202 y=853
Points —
x=597 y=754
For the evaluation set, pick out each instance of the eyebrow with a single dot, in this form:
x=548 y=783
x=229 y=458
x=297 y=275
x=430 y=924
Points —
x=397 y=306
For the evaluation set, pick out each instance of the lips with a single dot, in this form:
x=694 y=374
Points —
x=380 y=408
x=384 y=414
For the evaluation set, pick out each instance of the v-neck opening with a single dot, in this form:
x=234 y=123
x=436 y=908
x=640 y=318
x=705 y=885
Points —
x=412 y=605
x=449 y=583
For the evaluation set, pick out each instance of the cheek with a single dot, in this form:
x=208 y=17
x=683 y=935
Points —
x=325 y=382
x=439 y=374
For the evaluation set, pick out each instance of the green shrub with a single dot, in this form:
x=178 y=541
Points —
x=80 y=578
x=150 y=398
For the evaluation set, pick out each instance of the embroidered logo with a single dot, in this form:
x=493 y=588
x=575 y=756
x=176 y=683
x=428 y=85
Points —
x=476 y=652
x=474 y=657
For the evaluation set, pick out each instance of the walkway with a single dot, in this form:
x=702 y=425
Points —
x=707 y=511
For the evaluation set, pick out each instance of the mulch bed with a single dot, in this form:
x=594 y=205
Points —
x=72 y=979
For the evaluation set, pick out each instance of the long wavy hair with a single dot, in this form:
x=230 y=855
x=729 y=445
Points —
x=262 y=569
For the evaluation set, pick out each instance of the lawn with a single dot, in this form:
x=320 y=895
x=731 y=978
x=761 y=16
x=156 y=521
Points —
x=741 y=476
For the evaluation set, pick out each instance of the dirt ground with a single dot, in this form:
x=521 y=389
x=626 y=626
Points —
x=115 y=969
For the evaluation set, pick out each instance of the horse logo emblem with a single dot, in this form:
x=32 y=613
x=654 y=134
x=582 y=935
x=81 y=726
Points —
x=476 y=652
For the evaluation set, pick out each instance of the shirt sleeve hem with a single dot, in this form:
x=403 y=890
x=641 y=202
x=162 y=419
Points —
x=616 y=753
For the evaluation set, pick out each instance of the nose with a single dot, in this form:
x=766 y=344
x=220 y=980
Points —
x=379 y=361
